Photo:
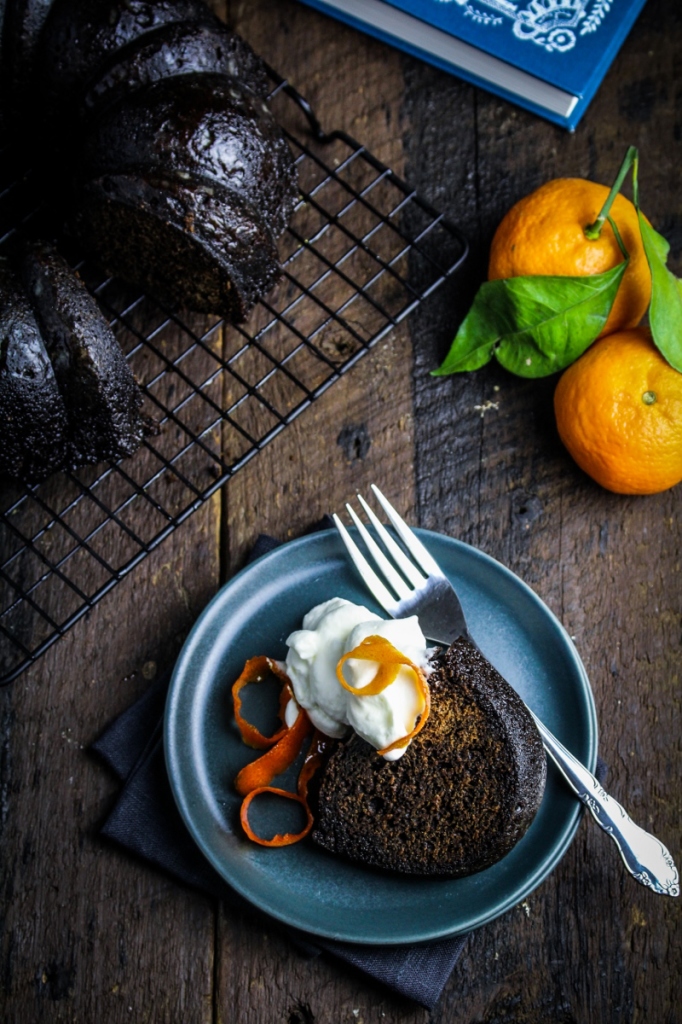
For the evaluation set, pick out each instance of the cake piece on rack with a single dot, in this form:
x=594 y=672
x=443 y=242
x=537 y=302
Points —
x=33 y=423
x=190 y=244
x=99 y=391
x=183 y=187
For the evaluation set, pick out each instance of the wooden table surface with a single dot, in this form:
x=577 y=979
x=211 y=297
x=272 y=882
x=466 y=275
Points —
x=89 y=934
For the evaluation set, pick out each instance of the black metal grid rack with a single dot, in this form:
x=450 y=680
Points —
x=361 y=252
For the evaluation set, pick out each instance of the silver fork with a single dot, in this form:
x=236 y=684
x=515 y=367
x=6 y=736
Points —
x=421 y=588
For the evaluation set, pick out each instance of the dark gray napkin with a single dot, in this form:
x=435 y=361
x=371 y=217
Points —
x=146 y=821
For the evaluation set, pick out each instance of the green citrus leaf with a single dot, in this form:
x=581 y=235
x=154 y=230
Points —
x=478 y=333
x=665 y=311
x=534 y=326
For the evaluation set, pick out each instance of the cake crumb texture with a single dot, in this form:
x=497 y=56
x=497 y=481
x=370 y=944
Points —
x=462 y=795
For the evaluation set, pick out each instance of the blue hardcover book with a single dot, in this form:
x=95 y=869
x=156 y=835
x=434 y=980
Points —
x=546 y=55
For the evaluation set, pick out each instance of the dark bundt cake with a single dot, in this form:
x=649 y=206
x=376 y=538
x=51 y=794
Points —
x=33 y=423
x=161 y=90
x=180 y=181
x=462 y=795
x=67 y=395
x=164 y=92
x=100 y=394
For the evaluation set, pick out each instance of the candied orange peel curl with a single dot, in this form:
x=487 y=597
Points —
x=282 y=838
x=390 y=660
x=313 y=760
x=262 y=771
x=282 y=749
x=255 y=671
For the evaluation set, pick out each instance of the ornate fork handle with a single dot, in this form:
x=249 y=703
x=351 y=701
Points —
x=645 y=856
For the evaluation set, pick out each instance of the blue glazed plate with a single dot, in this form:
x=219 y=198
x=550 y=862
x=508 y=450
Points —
x=303 y=885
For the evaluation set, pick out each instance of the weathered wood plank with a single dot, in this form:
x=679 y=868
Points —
x=589 y=944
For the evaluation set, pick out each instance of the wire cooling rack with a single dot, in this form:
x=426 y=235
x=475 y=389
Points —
x=361 y=252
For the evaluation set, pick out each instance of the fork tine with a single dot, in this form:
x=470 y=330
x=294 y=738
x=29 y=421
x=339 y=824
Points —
x=398 y=584
x=408 y=568
x=371 y=580
x=411 y=542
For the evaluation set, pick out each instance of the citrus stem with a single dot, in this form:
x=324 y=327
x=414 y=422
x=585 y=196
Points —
x=593 y=231
x=621 y=244
x=635 y=180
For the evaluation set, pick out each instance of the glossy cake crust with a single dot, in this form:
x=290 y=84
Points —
x=201 y=127
x=172 y=50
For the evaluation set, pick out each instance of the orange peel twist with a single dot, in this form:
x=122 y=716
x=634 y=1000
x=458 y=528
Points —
x=281 y=750
x=390 y=660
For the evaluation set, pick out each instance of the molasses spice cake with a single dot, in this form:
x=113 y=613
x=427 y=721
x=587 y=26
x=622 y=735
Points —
x=460 y=798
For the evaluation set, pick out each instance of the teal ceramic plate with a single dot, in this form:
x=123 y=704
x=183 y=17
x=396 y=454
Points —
x=301 y=884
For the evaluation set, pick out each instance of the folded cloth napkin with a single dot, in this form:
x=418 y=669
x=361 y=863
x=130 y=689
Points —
x=145 y=821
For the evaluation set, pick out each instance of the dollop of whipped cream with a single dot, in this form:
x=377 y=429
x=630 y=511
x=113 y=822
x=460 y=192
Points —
x=331 y=630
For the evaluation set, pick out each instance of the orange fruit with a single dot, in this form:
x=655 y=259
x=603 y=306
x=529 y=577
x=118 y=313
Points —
x=619 y=412
x=544 y=234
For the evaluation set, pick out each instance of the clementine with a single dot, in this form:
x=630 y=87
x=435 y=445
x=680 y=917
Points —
x=619 y=413
x=545 y=234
